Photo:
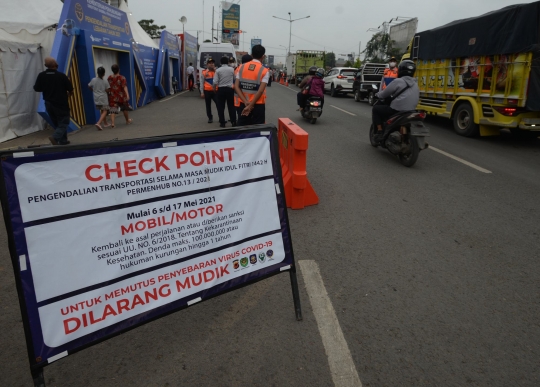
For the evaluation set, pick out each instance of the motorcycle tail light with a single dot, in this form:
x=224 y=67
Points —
x=391 y=120
x=420 y=114
x=315 y=104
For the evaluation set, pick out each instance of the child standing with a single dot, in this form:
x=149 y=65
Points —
x=100 y=88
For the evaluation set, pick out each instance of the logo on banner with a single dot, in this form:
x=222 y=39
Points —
x=262 y=257
x=94 y=39
x=127 y=28
x=270 y=253
x=244 y=262
x=253 y=259
x=236 y=264
x=79 y=12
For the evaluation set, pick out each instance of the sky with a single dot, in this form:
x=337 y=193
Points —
x=338 y=26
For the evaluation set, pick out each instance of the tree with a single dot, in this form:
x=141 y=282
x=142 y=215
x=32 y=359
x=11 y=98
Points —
x=357 y=63
x=150 y=28
x=330 y=59
x=348 y=64
x=380 y=48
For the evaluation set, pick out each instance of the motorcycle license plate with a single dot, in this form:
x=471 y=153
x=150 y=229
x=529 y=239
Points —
x=315 y=109
x=418 y=129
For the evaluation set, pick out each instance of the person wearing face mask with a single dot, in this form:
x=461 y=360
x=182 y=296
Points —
x=390 y=73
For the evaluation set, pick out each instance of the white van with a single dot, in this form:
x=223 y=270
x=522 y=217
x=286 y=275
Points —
x=215 y=51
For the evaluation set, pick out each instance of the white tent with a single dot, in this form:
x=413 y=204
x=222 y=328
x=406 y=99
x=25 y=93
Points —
x=27 y=30
x=31 y=20
x=20 y=62
x=140 y=35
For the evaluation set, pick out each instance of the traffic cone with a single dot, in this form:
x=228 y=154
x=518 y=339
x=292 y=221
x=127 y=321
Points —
x=287 y=83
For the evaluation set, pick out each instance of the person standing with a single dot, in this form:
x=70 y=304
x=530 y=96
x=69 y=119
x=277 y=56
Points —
x=191 y=81
x=232 y=62
x=56 y=88
x=223 y=87
x=270 y=72
x=390 y=73
x=208 y=91
x=100 y=87
x=118 y=95
x=250 y=85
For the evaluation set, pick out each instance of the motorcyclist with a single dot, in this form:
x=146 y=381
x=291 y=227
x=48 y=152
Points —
x=403 y=93
x=300 y=97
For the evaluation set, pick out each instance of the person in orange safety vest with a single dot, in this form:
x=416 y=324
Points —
x=390 y=73
x=208 y=92
x=250 y=86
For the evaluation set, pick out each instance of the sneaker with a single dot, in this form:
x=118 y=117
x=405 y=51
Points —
x=210 y=120
x=53 y=141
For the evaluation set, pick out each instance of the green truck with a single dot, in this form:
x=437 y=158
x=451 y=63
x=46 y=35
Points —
x=297 y=65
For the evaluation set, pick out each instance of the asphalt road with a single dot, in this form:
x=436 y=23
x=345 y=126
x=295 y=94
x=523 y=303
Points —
x=432 y=271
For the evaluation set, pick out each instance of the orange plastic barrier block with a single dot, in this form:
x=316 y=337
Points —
x=293 y=145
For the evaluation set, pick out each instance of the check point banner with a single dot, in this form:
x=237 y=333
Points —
x=108 y=238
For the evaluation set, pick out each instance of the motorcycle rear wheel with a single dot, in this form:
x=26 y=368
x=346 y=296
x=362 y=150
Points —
x=410 y=159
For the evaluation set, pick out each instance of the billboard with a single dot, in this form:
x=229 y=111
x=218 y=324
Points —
x=230 y=20
x=270 y=60
x=106 y=237
x=255 y=42
x=402 y=34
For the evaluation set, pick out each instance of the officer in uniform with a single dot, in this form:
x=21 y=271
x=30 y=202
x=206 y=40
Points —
x=390 y=73
x=250 y=86
x=208 y=91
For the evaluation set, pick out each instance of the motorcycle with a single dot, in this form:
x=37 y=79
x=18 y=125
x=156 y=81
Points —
x=404 y=136
x=313 y=109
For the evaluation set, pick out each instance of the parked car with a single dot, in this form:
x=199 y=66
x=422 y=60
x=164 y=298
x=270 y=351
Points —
x=339 y=80
x=368 y=81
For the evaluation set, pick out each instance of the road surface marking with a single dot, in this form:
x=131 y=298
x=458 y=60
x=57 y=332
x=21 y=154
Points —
x=174 y=96
x=339 y=357
x=287 y=87
x=344 y=111
x=460 y=160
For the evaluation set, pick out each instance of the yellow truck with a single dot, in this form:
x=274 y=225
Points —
x=483 y=72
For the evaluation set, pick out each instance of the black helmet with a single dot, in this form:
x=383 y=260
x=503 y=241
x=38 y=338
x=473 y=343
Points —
x=406 y=68
x=312 y=70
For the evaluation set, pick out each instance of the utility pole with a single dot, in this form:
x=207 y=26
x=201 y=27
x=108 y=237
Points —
x=212 y=24
x=290 y=20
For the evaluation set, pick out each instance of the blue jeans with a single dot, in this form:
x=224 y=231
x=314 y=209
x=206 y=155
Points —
x=60 y=119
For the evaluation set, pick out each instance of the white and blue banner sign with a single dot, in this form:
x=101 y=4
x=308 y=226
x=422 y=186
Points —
x=110 y=236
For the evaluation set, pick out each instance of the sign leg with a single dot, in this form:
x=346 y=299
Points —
x=39 y=379
x=296 y=293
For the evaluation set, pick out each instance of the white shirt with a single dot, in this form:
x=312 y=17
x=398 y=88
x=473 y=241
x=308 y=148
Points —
x=190 y=70
x=267 y=76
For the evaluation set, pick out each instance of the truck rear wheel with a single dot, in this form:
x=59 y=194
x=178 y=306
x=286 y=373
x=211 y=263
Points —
x=464 y=121
x=357 y=96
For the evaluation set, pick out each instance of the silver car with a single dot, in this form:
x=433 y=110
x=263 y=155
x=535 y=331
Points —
x=340 y=80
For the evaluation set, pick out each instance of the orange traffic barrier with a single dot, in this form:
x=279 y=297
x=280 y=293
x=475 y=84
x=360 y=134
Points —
x=293 y=145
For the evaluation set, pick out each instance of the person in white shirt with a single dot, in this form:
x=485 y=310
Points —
x=191 y=81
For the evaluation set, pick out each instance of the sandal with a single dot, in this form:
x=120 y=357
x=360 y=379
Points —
x=98 y=126
x=106 y=125
x=130 y=121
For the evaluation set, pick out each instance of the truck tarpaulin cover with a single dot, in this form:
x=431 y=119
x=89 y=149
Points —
x=512 y=29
